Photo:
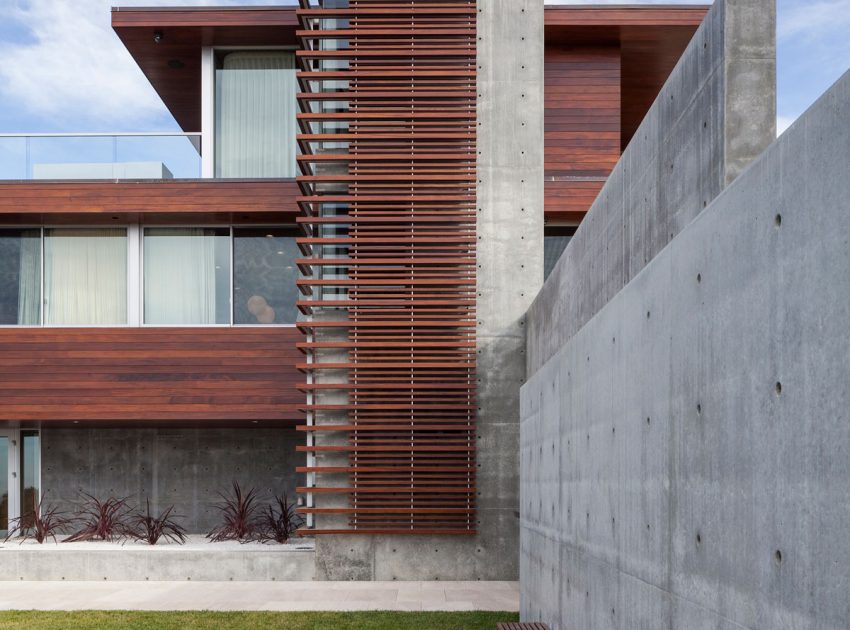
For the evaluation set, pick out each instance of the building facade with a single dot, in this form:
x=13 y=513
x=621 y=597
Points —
x=319 y=288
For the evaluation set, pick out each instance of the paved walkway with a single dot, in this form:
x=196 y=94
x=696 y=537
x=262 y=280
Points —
x=259 y=596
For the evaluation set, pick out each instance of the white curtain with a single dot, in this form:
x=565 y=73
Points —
x=29 y=278
x=85 y=276
x=180 y=276
x=255 y=115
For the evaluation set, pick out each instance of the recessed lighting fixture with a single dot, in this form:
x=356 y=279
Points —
x=269 y=235
x=280 y=253
x=157 y=37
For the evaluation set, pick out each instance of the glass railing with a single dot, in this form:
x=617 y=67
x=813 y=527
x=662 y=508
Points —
x=100 y=156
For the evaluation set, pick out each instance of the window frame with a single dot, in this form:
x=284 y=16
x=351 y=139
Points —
x=135 y=268
x=211 y=60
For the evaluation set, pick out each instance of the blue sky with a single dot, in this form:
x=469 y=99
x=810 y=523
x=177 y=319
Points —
x=64 y=70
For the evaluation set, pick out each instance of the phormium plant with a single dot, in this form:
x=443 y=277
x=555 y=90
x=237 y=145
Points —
x=151 y=529
x=40 y=523
x=238 y=515
x=278 y=522
x=108 y=520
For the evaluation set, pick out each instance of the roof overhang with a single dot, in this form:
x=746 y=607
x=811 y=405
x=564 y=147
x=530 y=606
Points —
x=652 y=38
x=173 y=63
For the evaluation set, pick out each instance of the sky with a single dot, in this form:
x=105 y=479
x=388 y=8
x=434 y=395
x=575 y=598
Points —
x=64 y=69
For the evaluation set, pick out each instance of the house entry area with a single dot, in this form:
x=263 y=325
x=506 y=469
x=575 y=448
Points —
x=20 y=475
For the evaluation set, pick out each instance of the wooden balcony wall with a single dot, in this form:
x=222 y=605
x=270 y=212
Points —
x=128 y=375
x=582 y=126
x=148 y=201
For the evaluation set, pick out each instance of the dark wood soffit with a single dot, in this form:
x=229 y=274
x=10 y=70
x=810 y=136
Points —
x=184 y=32
x=625 y=15
x=149 y=201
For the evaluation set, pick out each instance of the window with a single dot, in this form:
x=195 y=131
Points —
x=264 y=275
x=555 y=241
x=30 y=473
x=157 y=276
x=85 y=276
x=255 y=107
x=187 y=276
x=20 y=277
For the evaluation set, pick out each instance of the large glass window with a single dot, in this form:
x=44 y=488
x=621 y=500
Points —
x=20 y=276
x=85 y=276
x=187 y=276
x=264 y=275
x=255 y=107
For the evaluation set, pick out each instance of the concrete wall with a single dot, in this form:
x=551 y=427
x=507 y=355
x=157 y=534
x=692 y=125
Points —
x=713 y=116
x=686 y=454
x=510 y=272
x=184 y=467
x=197 y=561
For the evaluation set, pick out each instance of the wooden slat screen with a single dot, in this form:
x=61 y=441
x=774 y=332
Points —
x=388 y=175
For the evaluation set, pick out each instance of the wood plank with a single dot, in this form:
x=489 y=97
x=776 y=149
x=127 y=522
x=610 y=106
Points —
x=135 y=375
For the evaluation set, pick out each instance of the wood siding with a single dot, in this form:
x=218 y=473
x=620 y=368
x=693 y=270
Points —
x=150 y=201
x=582 y=126
x=149 y=374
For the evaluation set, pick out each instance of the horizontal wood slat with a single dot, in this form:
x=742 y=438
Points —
x=581 y=126
x=202 y=200
x=388 y=209
x=142 y=374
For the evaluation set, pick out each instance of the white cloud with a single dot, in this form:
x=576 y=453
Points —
x=75 y=66
x=810 y=19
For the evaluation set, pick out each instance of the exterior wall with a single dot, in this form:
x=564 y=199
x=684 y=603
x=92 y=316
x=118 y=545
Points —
x=582 y=125
x=183 y=467
x=715 y=113
x=684 y=454
x=134 y=374
x=170 y=201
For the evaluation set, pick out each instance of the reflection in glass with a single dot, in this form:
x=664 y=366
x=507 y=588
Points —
x=264 y=275
x=20 y=276
x=4 y=486
x=85 y=276
x=30 y=475
x=255 y=109
x=69 y=157
x=187 y=276
x=163 y=157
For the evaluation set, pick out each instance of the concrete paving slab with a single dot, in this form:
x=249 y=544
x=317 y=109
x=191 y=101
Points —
x=271 y=596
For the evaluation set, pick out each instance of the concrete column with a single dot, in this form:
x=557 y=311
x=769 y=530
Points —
x=510 y=273
x=510 y=244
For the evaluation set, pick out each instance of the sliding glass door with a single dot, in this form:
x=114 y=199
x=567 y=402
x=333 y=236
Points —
x=20 y=477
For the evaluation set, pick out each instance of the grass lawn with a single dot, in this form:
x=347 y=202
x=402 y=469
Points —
x=36 y=620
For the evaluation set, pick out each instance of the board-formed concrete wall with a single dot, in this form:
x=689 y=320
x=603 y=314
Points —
x=183 y=467
x=686 y=454
x=713 y=116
